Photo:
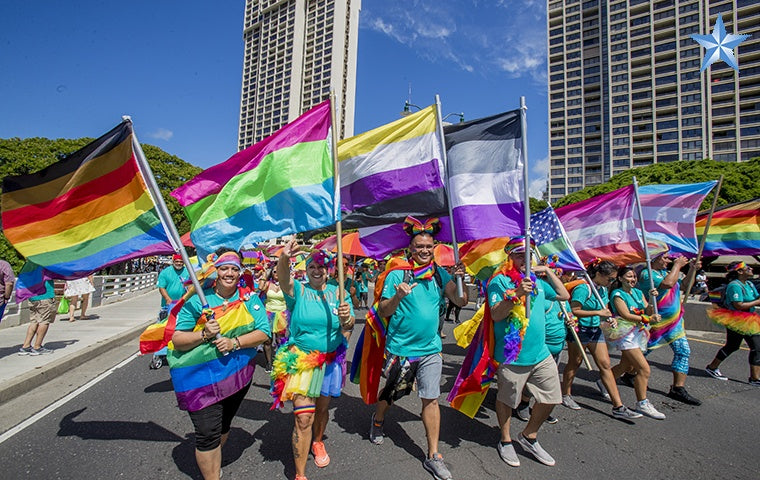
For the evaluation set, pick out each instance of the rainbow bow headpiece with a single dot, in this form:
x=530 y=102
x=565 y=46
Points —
x=323 y=258
x=413 y=227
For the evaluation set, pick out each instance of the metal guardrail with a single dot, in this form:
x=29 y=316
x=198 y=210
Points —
x=108 y=289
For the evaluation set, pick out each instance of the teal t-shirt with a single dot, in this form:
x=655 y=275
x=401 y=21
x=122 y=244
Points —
x=49 y=292
x=534 y=349
x=173 y=282
x=633 y=300
x=658 y=276
x=736 y=291
x=191 y=310
x=555 y=326
x=314 y=323
x=582 y=294
x=413 y=327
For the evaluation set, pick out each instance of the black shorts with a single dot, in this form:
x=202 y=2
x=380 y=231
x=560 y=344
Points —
x=214 y=421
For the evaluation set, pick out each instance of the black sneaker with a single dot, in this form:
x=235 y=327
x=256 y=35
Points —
x=523 y=411
x=627 y=379
x=680 y=394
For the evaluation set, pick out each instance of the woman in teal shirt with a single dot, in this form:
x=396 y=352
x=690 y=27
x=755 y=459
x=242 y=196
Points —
x=590 y=313
x=310 y=368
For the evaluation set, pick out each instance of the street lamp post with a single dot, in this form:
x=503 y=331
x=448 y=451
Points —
x=407 y=111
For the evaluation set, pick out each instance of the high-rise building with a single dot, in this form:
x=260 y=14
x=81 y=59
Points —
x=296 y=51
x=625 y=88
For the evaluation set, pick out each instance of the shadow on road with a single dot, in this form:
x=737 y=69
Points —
x=113 y=430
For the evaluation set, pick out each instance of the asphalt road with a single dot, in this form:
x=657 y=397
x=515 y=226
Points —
x=128 y=426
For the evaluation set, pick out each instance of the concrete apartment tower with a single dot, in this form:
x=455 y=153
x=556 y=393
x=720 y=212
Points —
x=625 y=88
x=296 y=51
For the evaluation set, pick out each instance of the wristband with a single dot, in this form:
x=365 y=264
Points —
x=236 y=344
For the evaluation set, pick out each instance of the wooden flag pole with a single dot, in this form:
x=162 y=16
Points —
x=693 y=271
x=575 y=336
x=336 y=199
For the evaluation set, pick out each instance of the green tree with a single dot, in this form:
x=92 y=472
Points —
x=22 y=156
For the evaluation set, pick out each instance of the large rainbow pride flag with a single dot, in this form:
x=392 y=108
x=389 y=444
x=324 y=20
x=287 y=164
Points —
x=87 y=211
x=281 y=185
x=734 y=230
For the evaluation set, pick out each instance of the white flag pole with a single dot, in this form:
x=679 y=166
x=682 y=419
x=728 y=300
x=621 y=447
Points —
x=652 y=299
x=447 y=189
x=526 y=196
x=163 y=214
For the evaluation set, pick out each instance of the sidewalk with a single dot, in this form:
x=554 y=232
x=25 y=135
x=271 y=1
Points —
x=72 y=343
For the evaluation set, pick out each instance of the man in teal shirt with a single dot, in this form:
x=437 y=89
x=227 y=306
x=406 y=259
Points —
x=534 y=368
x=171 y=281
x=411 y=299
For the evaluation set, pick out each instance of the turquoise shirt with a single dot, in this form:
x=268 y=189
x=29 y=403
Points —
x=413 y=327
x=582 y=294
x=49 y=292
x=555 y=326
x=314 y=323
x=191 y=310
x=657 y=275
x=172 y=280
x=633 y=300
x=736 y=291
x=534 y=349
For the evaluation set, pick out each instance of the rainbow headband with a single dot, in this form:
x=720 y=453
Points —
x=228 y=258
x=737 y=266
x=517 y=245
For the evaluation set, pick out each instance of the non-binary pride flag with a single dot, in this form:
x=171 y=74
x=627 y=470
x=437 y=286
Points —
x=85 y=212
x=485 y=176
x=282 y=185
x=734 y=230
x=392 y=171
x=550 y=239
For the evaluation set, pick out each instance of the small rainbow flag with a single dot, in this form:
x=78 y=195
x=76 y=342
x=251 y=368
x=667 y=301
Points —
x=734 y=230
x=90 y=210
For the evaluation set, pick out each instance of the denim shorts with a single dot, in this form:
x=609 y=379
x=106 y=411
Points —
x=587 y=335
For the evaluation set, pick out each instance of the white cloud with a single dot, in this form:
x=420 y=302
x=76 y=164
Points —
x=162 y=134
x=505 y=37
x=539 y=172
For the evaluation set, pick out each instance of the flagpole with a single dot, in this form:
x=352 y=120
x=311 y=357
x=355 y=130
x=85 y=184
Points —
x=575 y=336
x=445 y=159
x=652 y=299
x=336 y=197
x=693 y=271
x=165 y=217
x=526 y=195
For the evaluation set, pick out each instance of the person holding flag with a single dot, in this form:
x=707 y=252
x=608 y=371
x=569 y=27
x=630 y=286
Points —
x=520 y=347
x=409 y=296
x=311 y=366
x=213 y=356
x=669 y=330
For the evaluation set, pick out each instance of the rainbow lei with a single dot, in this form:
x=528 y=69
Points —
x=517 y=321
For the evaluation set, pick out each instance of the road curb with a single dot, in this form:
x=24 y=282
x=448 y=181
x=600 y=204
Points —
x=28 y=381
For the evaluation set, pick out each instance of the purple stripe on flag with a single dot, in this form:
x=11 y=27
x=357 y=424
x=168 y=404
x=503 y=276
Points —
x=503 y=220
x=213 y=179
x=391 y=184
x=380 y=241
x=198 y=398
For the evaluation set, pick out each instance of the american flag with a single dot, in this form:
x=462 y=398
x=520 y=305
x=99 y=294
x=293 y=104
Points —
x=550 y=239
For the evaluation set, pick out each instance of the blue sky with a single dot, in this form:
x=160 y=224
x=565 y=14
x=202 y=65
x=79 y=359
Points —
x=175 y=67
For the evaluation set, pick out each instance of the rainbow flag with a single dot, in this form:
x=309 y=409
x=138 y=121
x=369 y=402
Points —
x=482 y=257
x=90 y=210
x=392 y=171
x=734 y=230
x=279 y=186
x=203 y=376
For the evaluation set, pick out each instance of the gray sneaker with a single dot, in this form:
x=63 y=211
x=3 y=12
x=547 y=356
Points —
x=27 y=351
x=436 y=467
x=567 y=400
x=507 y=453
x=523 y=411
x=602 y=390
x=646 y=407
x=41 y=351
x=535 y=449
x=376 y=431
x=624 y=412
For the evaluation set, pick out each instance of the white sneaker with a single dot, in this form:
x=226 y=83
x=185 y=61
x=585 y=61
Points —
x=567 y=400
x=602 y=390
x=646 y=407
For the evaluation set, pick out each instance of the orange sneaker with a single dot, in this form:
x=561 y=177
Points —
x=321 y=458
x=301 y=477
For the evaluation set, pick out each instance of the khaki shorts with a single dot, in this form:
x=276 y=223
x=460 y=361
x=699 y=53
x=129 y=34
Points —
x=43 y=311
x=542 y=381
